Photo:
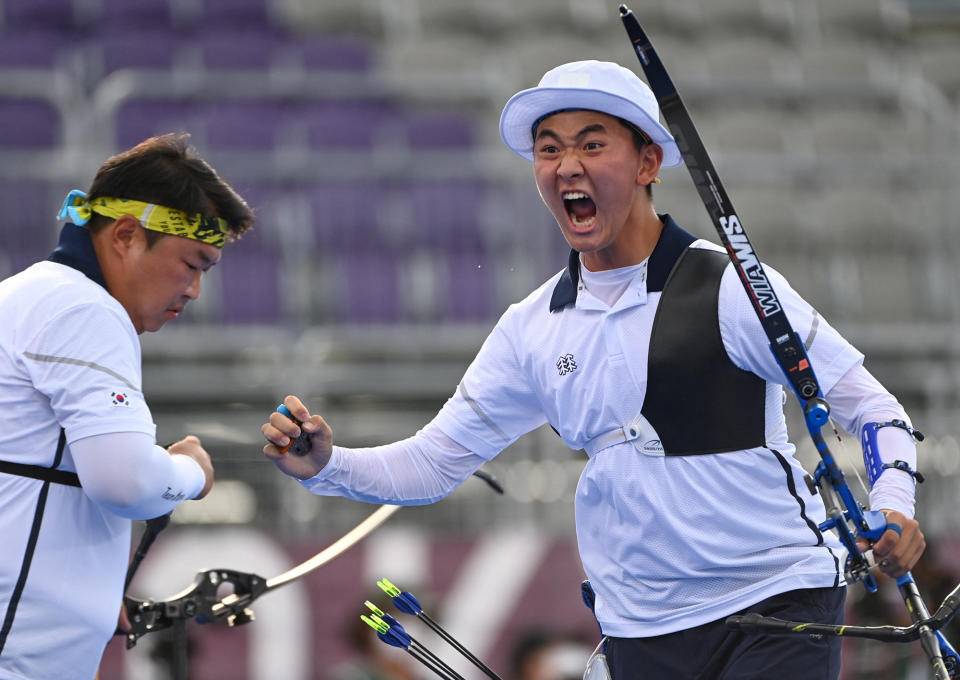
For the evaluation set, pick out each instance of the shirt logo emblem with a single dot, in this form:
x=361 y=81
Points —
x=120 y=399
x=566 y=364
x=653 y=447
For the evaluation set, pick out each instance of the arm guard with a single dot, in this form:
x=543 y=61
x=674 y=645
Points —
x=871 y=452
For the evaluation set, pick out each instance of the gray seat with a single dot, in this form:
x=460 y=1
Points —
x=877 y=18
x=939 y=62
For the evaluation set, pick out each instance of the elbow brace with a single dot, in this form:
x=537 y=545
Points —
x=871 y=451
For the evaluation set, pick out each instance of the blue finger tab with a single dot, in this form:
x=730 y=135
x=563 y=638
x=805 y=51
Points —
x=893 y=526
x=300 y=446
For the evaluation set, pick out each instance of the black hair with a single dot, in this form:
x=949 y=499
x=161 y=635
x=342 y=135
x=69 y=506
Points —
x=166 y=170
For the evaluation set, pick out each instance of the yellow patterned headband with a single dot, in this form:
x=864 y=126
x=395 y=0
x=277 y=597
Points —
x=212 y=230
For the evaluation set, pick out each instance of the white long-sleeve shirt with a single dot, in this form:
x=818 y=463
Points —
x=669 y=542
x=70 y=358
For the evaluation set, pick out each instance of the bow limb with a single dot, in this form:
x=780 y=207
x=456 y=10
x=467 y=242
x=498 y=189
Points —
x=348 y=540
x=335 y=549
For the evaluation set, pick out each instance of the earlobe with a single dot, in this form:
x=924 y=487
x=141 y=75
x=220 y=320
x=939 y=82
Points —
x=650 y=165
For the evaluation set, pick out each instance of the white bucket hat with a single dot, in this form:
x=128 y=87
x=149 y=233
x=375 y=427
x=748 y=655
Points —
x=594 y=85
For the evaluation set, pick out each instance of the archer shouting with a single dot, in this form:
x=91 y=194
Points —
x=646 y=352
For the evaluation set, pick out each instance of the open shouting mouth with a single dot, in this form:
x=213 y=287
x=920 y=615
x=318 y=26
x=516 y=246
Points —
x=580 y=208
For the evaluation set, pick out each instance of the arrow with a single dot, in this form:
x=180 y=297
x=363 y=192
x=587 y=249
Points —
x=409 y=604
x=394 y=635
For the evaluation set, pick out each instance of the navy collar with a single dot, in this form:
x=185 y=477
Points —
x=75 y=249
x=673 y=241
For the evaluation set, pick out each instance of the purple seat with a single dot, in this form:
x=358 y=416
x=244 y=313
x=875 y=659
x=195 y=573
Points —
x=446 y=214
x=249 y=279
x=34 y=48
x=28 y=232
x=28 y=124
x=344 y=124
x=370 y=291
x=438 y=130
x=238 y=50
x=258 y=196
x=138 y=119
x=331 y=53
x=58 y=15
x=234 y=13
x=138 y=49
x=345 y=216
x=249 y=283
x=124 y=14
x=469 y=287
x=241 y=124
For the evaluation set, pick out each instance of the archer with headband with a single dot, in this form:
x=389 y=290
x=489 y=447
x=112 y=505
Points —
x=78 y=455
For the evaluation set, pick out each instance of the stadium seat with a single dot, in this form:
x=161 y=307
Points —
x=880 y=19
x=137 y=119
x=122 y=15
x=137 y=48
x=35 y=48
x=892 y=288
x=939 y=61
x=29 y=124
x=344 y=216
x=433 y=129
x=327 y=53
x=532 y=52
x=467 y=287
x=860 y=130
x=861 y=66
x=343 y=124
x=28 y=232
x=242 y=48
x=446 y=214
x=751 y=59
x=869 y=218
x=367 y=18
x=368 y=289
x=241 y=124
x=746 y=129
x=249 y=282
x=747 y=17
x=57 y=15
x=771 y=216
x=491 y=17
x=252 y=14
x=447 y=58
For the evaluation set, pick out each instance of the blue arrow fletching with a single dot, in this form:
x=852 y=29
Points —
x=397 y=633
x=391 y=640
x=407 y=603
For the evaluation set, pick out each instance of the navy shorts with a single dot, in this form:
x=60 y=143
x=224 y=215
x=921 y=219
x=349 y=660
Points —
x=714 y=652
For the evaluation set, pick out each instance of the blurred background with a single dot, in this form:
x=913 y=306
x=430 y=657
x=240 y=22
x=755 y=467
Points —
x=394 y=228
